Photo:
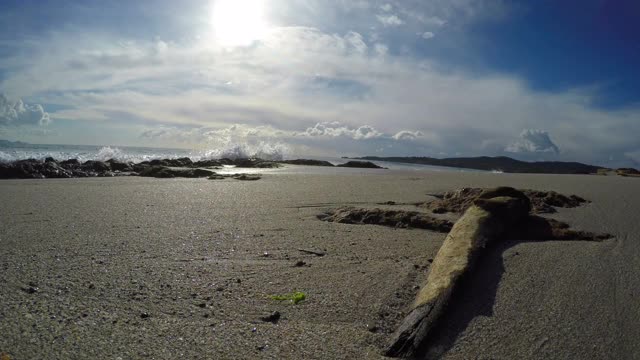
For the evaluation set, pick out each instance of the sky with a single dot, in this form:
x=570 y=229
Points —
x=534 y=80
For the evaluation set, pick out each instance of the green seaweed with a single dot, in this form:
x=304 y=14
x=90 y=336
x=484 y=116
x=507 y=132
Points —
x=294 y=297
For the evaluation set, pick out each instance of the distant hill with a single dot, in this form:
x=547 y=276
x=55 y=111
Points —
x=499 y=163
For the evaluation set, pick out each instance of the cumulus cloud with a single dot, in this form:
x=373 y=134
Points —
x=427 y=35
x=386 y=7
x=206 y=135
x=408 y=135
x=533 y=141
x=275 y=83
x=390 y=20
x=18 y=113
x=335 y=129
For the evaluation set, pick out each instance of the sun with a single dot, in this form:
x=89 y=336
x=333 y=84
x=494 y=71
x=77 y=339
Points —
x=238 y=22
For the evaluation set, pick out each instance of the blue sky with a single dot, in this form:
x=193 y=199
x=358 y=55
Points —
x=552 y=80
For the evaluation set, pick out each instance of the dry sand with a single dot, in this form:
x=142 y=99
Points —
x=178 y=268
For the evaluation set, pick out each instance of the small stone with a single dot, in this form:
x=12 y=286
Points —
x=272 y=318
x=238 y=281
x=30 y=289
x=145 y=315
x=203 y=305
x=300 y=263
x=430 y=261
x=219 y=288
x=372 y=328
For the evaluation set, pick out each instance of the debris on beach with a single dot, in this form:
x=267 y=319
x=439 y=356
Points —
x=294 y=297
x=392 y=218
x=492 y=215
x=313 y=252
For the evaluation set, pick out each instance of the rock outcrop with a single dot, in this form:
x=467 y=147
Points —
x=360 y=164
x=158 y=171
x=628 y=172
x=392 y=218
x=307 y=162
x=543 y=202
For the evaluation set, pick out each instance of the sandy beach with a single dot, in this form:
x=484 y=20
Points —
x=131 y=268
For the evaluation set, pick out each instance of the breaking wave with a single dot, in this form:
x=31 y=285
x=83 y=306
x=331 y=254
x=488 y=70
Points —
x=263 y=150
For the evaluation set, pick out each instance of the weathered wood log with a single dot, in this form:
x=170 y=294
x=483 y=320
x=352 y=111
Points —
x=494 y=212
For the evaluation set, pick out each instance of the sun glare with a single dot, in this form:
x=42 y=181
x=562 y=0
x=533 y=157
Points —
x=238 y=22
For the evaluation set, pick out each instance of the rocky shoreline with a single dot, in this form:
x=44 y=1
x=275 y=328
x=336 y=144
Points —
x=160 y=168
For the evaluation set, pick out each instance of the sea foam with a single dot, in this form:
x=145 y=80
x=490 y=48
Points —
x=263 y=150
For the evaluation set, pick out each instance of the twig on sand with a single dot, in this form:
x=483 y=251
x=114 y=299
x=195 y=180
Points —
x=313 y=252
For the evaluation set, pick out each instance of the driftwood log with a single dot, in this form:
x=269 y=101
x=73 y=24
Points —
x=492 y=214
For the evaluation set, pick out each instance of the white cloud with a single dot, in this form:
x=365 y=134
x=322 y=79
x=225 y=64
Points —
x=533 y=141
x=408 y=135
x=336 y=129
x=356 y=41
x=386 y=7
x=390 y=20
x=192 y=84
x=427 y=35
x=18 y=113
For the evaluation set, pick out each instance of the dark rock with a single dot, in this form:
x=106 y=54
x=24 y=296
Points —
x=181 y=162
x=140 y=167
x=30 y=289
x=166 y=172
x=158 y=162
x=458 y=201
x=119 y=166
x=307 y=162
x=217 y=177
x=628 y=172
x=255 y=163
x=360 y=164
x=33 y=169
x=393 y=218
x=70 y=164
x=145 y=315
x=49 y=159
x=27 y=169
x=95 y=166
x=300 y=263
x=51 y=169
x=207 y=163
x=247 y=177
x=272 y=318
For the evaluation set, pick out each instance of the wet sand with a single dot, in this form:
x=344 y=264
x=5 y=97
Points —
x=183 y=268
